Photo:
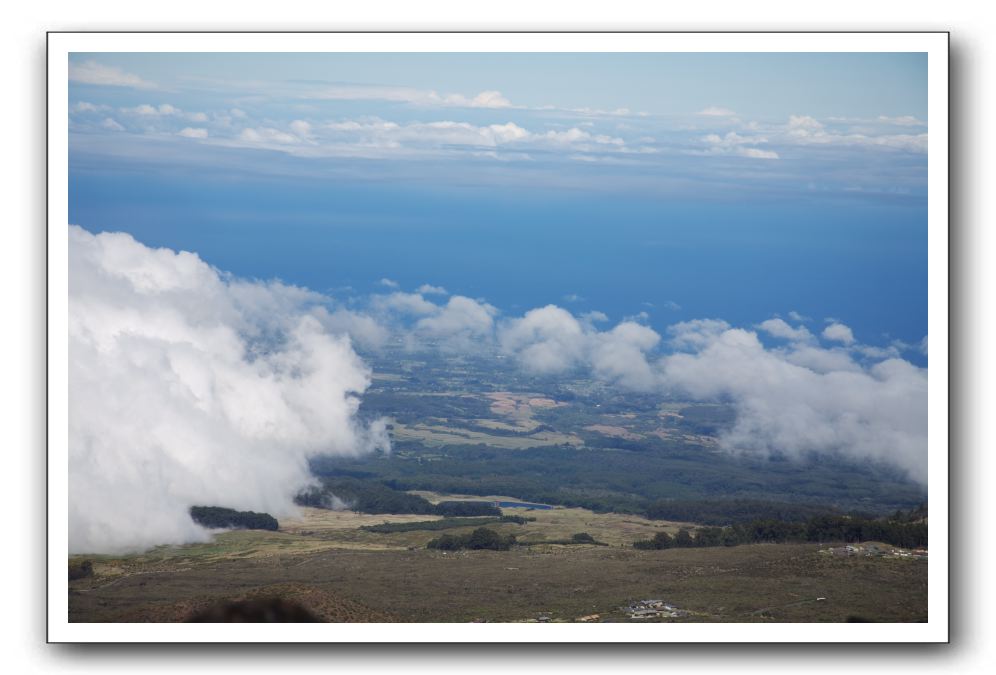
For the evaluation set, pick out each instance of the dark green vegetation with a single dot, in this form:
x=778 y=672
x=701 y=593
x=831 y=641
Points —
x=577 y=539
x=443 y=524
x=902 y=532
x=80 y=569
x=365 y=496
x=628 y=453
x=627 y=481
x=479 y=540
x=218 y=517
x=467 y=509
x=729 y=511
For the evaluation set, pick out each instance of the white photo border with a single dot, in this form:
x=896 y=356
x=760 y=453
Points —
x=61 y=44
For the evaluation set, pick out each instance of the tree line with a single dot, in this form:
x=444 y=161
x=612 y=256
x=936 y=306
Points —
x=443 y=524
x=482 y=538
x=217 y=517
x=902 y=533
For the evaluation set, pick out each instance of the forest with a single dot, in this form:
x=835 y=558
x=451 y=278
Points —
x=217 y=517
x=903 y=532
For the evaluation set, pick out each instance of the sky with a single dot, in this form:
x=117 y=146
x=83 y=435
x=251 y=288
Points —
x=732 y=185
x=252 y=228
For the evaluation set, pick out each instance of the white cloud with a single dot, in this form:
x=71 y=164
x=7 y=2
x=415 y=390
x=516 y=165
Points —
x=412 y=304
x=735 y=144
x=422 y=97
x=390 y=283
x=806 y=130
x=301 y=128
x=780 y=329
x=112 y=124
x=716 y=111
x=757 y=153
x=362 y=329
x=696 y=333
x=795 y=398
x=429 y=289
x=460 y=324
x=267 y=136
x=189 y=132
x=147 y=110
x=545 y=340
x=901 y=121
x=838 y=332
x=551 y=340
x=91 y=72
x=490 y=99
x=804 y=125
x=594 y=316
x=85 y=107
x=789 y=406
x=189 y=387
x=619 y=356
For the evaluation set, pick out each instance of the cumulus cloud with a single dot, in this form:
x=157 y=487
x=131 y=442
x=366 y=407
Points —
x=787 y=406
x=806 y=130
x=403 y=303
x=757 y=153
x=188 y=386
x=460 y=324
x=267 y=137
x=377 y=138
x=86 y=107
x=838 y=332
x=422 y=97
x=390 y=283
x=148 y=110
x=429 y=289
x=716 y=111
x=901 y=121
x=91 y=72
x=550 y=340
x=794 y=398
x=545 y=340
x=733 y=143
x=780 y=329
x=190 y=132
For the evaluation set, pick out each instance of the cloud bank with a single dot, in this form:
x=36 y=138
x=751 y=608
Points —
x=794 y=394
x=188 y=386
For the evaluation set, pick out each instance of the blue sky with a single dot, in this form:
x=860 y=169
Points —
x=739 y=186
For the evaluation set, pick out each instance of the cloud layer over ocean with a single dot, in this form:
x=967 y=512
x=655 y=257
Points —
x=189 y=386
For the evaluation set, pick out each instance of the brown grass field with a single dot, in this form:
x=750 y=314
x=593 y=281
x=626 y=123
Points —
x=341 y=573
